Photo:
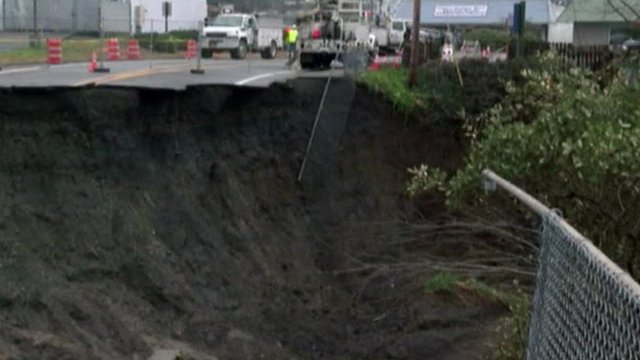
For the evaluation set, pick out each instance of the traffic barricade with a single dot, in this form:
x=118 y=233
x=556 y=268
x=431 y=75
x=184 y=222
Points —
x=133 y=50
x=192 y=50
x=384 y=61
x=54 y=51
x=93 y=63
x=113 y=49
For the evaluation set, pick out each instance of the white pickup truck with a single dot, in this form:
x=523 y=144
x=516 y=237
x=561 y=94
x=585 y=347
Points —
x=239 y=34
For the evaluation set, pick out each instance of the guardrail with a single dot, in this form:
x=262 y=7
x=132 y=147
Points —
x=584 y=305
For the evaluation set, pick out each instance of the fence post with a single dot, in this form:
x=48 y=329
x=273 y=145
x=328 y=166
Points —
x=584 y=306
x=101 y=68
x=151 y=47
x=199 y=70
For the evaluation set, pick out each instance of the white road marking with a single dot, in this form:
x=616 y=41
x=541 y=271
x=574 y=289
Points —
x=70 y=65
x=15 y=71
x=258 y=77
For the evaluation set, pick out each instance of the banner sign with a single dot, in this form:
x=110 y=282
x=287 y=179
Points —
x=460 y=11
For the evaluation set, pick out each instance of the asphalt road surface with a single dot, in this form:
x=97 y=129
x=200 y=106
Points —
x=158 y=74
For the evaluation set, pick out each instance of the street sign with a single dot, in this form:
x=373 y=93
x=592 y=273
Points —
x=460 y=11
x=166 y=9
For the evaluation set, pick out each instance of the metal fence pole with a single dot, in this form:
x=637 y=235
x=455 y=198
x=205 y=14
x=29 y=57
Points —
x=101 y=68
x=151 y=47
x=199 y=70
x=4 y=15
x=585 y=306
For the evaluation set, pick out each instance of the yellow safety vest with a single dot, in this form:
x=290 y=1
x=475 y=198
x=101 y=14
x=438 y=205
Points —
x=293 y=36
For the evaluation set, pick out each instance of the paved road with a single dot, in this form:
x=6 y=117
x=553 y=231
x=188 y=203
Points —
x=159 y=74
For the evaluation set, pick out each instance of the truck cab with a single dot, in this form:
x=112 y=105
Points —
x=396 y=32
x=234 y=33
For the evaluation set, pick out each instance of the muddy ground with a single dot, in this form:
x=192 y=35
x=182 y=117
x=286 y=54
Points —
x=137 y=220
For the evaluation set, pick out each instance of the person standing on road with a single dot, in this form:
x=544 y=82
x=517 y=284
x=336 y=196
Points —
x=292 y=39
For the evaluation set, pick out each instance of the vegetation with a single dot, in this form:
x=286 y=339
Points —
x=442 y=283
x=439 y=94
x=73 y=50
x=568 y=136
x=172 y=42
x=497 y=38
x=512 y=330
x=80 y=48
x=489 y=37
x=572 y=140
x=392 y=84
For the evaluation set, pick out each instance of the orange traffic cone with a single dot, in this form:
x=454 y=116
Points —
x=94 y=63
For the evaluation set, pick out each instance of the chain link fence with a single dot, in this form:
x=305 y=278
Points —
x=355 y=60
x=584 y=307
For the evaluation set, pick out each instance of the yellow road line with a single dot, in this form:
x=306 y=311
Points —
x=120 y=76
x=133 y=74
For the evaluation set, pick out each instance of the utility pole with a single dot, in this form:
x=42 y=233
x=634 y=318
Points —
x=35 y=18
x=415 y=39
x=166 y=12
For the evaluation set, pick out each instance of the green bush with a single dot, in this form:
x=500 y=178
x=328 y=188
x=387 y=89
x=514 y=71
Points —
x=164 y=45
x=572 y=143
x=172 y=42
x=439 y=95
x=489 y=37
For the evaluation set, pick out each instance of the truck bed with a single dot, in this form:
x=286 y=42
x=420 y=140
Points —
x=267 y=34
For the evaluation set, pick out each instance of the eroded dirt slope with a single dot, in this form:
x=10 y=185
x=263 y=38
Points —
x=136 y=220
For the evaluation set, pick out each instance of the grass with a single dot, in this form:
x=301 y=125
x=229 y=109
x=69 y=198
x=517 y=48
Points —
x=442 y=283
x=512 y=330
x=73 y=50
x=392 y=83
x=437 y=88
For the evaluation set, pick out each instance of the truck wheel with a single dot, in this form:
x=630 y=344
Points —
x=271 y=52
x=306 y=61
x=241 y=52
x=206 y=53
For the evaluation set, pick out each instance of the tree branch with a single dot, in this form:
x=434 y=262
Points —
x=617 y=11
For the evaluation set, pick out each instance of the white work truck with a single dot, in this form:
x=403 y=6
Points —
x=239 y=34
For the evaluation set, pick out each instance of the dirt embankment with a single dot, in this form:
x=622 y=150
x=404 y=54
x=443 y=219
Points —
x=136 y=220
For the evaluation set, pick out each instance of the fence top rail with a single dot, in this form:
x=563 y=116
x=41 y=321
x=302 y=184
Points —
x=544 y=212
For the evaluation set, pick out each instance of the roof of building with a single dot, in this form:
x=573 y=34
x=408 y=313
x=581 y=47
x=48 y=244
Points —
x=473 y=12
x=601 y=11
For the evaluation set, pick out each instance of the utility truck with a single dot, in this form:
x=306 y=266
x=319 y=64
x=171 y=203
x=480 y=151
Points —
x=239 y=34
x=338 y=25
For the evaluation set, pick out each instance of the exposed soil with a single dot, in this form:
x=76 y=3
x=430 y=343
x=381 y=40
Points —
x=137 y=220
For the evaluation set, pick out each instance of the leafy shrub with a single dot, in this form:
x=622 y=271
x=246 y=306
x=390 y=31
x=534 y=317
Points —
x=489 y=37
x=571 y=143
x=173 y=42
x=439 y=95
x=164 y=46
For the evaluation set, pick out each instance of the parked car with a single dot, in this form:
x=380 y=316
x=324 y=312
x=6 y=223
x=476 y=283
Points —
x=630 y=45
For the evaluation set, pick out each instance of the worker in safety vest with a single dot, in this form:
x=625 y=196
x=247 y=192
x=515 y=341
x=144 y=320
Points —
x=292 y=39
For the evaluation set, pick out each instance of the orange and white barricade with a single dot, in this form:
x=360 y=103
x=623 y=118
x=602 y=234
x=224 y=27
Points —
x=113 y=49
x=133 y=50
x=192 y=50
x=54 y=51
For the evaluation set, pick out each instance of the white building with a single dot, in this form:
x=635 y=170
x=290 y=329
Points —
x=559 y=32
x=185 y=15
x=51 y=15
x=119 y=16
x=596 y=22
